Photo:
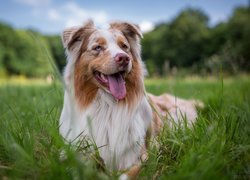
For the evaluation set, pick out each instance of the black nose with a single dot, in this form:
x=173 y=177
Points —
x=122 y=59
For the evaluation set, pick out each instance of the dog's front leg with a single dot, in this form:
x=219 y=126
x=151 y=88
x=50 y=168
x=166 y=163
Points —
x=134 y=170
x=132 y=173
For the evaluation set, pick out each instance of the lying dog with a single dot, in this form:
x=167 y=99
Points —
x=105 y=97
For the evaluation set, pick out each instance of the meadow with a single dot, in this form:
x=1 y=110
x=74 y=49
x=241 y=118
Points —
x=216 y=147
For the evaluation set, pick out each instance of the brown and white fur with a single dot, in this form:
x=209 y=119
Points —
x=105 y=98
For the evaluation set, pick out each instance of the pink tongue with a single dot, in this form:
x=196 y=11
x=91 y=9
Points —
x=117 y=86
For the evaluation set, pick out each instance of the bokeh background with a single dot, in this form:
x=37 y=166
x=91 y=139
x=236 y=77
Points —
x=181 y=37
x=193 y=49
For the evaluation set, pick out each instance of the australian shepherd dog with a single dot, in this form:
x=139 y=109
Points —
x=105 y=98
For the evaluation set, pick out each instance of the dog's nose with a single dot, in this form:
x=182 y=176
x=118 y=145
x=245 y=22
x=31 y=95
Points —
x=122 y=59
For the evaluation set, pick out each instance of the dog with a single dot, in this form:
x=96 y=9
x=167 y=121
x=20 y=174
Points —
x=105 y=98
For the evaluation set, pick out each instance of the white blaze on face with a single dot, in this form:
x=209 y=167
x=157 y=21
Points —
x=113 y=47
x=111 y=40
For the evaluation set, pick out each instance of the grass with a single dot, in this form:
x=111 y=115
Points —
x=217 y=147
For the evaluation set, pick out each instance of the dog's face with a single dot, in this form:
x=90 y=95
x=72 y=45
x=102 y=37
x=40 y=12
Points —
x=104 y=58
x=108 y=58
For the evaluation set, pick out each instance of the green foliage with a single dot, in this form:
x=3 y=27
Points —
x=153 y=49
x=150 y=67
x=187 y=36
x=57 y=51
x=22 y=53
x=188 y=42
x=239 y=31
x=181 y=42
x=30 y=144
x=7 y=41
x=217 y=147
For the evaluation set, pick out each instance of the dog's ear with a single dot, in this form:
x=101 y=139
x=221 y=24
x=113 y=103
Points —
x=128 y=29
x=67 y=35
x=133 y=34
x=76 y=34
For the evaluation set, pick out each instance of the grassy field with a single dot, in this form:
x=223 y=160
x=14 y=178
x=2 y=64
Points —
x=217 y=147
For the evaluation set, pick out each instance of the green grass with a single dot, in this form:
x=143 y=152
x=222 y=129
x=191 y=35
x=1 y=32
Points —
x=217 y=147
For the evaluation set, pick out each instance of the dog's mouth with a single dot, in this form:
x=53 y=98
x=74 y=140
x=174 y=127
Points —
x=115 y=83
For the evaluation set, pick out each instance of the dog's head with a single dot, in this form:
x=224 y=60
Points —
x=106 y=59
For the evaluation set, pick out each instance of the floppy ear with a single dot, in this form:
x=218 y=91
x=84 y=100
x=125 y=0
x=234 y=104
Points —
x=76 y=34
x=67 y=35
x=128 y=29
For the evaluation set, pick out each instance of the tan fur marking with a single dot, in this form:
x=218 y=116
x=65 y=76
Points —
x=134 y=84
x=133 y=172
x=127 y=28
x=82 y=34
x=121 y=41
x=101 y=41
x=157 y=122
x=85 y=89
x=85 y=44
x=86 y=86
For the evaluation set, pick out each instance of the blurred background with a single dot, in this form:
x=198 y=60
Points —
x=183 y=37
x=195 y=49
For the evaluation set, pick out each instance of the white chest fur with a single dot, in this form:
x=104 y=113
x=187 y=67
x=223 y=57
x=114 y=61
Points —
x=118 y=131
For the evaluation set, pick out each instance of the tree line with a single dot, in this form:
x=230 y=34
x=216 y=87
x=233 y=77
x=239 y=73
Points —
x=186 y=44
x=29 y=53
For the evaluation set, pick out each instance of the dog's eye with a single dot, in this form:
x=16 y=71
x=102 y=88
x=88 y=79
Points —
x=78 y=39
x=124 y=46
x=97 y=48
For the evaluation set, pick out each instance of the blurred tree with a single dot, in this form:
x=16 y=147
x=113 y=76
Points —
x=2 y=67
x=21 y=52
x=188 y=42
x=185 y=42
x=229 y=44
x=153 y=51
x=32 y=60
x=188 y=32
x=239 y=34
x=181 y=42
x=8 y=39
x=217 y=38
x=57 y=51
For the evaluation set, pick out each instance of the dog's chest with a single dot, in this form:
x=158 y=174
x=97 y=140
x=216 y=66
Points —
x=119 y=133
